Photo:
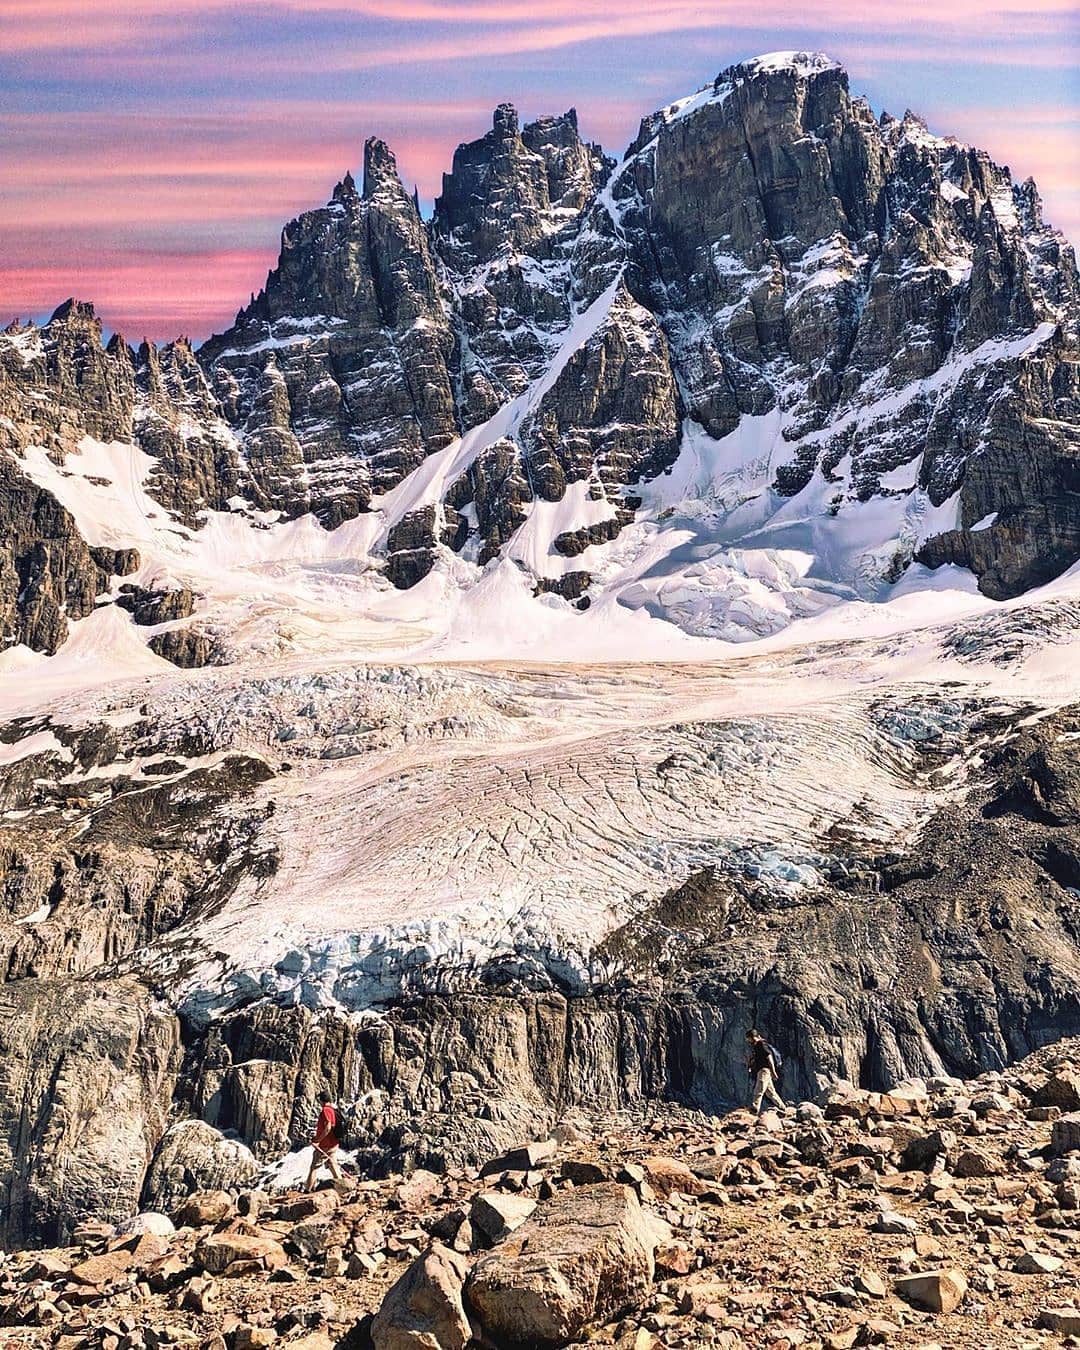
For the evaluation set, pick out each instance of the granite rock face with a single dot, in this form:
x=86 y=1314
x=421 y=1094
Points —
x=87 y=1077
x=47 y=571
x=505 y=226
x=611 y=416
x=178 y=422
x=1018 y=524
x=863 y=277
x=337 y=375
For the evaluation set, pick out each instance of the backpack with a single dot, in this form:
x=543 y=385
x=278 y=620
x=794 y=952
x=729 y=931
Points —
x=346 y=1129
x=777 y=1061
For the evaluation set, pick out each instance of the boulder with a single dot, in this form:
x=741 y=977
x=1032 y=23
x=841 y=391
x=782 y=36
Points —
x=149 y=1221
x=584 y=1173
x=523 y=1159
x=869 y=1282
x=1065 y=1133
x=200 y=1294
x=583 y=1256
x=1065 y=1321
x=1061 y=1089
x=495 y=1214
x=1038 y=1263
x=104 y=1269
x=423 y=1310
x=250 y=1204
x=666 y=1175
x=926 y=1149
x=976 y=1162
x=937 y=1291
x=248 y=1337
x=419 y=1190
x=312 y=1237
x=216 y=1254
x=194 y=1157
x=133 y=1253
x=314 y=1340
x=204 y=1208
x=295 y=1208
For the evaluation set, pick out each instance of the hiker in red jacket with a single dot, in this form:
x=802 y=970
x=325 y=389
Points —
x=325 y=1142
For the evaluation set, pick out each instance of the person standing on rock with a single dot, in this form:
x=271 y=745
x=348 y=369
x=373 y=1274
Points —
x=763 y=1062
x=325 y=1142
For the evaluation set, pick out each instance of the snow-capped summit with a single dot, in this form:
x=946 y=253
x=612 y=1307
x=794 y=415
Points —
x=797 y=63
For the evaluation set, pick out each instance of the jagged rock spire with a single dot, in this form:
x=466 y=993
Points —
x=380 y=168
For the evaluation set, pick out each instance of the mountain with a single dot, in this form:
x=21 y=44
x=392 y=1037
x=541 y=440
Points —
x=783 y=355
x=533 y=645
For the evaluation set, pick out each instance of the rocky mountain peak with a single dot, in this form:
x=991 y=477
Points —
x=801 y=65
x=345 y=193
x=380 y=170
x=880 y=309
x=503 y=188
x=74 y=311
x=504 y=124
x=118 y=346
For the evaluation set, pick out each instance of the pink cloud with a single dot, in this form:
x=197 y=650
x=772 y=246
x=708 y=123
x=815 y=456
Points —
x=155 y=300
x=522 y=26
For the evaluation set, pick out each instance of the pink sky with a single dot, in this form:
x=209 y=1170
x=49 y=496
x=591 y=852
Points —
x=150 y=152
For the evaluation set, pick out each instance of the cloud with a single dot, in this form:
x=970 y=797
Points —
x=138 y=298
x=505 y=27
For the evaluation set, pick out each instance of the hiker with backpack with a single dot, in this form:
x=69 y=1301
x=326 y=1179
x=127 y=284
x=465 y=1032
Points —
x=325 y=1143
x=765 y=1065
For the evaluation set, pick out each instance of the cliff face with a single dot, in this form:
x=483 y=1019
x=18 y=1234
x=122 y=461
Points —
x=138 y=850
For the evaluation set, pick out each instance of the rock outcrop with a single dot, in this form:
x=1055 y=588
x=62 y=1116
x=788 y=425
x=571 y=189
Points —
x=48 y=573
x=505 y=226
x=87 y=1077
x=155 y=849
